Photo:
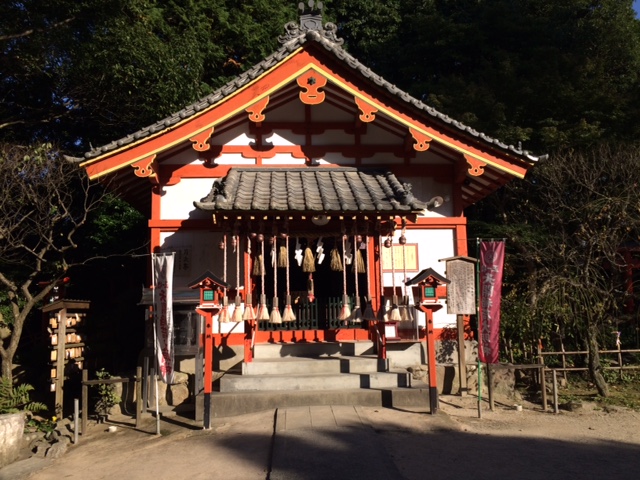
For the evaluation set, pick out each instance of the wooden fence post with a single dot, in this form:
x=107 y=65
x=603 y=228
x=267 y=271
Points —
x=138 y=396
x=85 y=400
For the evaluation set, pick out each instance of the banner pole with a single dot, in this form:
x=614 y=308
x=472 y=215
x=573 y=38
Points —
x=155 y=343
x=478 y=321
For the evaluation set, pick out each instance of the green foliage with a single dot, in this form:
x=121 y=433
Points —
x=16 y=398
x=106 y=394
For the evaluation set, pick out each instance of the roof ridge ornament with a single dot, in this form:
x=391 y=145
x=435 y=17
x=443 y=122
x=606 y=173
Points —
x=310 y=21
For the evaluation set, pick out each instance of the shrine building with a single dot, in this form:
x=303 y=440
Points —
x=312 y=189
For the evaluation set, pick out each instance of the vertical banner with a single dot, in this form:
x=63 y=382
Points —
x=163 y=306
x=491 y=263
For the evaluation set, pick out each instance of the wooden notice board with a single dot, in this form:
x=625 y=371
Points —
x=398 y=258
x=461 y=292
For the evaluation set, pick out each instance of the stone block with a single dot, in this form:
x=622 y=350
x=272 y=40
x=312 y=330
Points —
x=178 y=394
x=11 y=429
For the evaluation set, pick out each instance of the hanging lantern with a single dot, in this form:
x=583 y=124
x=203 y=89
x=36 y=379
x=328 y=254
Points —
x=387 y=243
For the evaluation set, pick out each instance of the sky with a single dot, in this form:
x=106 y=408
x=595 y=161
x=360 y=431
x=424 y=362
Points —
x=636 y=7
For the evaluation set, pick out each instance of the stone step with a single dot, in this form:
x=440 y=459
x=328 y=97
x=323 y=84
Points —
x=240 y=403
x=326 y=364
x=313 y=349
x=313 y=382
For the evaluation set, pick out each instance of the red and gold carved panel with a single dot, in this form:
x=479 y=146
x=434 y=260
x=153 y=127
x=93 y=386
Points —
x=421 y=140
x=311 y=82
x=368 y=111
x=201 y=140
x=476 y=167
x=255 y=111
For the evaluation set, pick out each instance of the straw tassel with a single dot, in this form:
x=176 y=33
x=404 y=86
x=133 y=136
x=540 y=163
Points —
x=237 y=311
x=275 y=316
x=345 y=311
x=368 y=313
x=263 y=311
x=249 y=312
x=394 y=314
x=357 y=312
x=308 y=263
x=282 y=257
x=336 y=261
x=288 y=315
x=223 y=316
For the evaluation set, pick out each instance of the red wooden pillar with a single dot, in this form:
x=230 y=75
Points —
x=208 y=362
x=431 y=356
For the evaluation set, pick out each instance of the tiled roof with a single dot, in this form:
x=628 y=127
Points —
x=294 y=42
x=313 y=190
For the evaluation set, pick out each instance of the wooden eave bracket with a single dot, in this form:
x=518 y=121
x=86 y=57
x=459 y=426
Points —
x=147 y=168
x=368 y=112
x=421 y=140
x=476 y=167
x=256 y=111
x=201 y=140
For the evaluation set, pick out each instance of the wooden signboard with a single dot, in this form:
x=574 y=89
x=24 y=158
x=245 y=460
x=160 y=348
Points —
x=461 y=292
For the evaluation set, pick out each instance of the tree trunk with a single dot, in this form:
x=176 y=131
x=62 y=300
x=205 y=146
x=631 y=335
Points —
x=595 y=368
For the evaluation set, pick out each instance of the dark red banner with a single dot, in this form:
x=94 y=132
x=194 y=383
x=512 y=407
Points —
x=491 y=263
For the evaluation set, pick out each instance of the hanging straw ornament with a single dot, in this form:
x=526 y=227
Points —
x=223 y=316
x=308 y=266
x=357 y=312
x=358 y=265
x=345 y=311
x=308 y=263
x=336 y=260
x=249 y=313
x=275 y=316
x=288 y=315
x=394 y=313
x=263 y=310
x=237 y=311
x=283 y=260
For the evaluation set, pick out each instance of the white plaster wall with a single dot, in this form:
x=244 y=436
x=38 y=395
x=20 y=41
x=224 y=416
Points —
x=198 y=251
x=282 y=138
x=283 y=159
x=433 y=245
x=177 y=201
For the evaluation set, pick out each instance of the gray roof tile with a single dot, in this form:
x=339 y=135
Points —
x=331 y=45
x=332 y=190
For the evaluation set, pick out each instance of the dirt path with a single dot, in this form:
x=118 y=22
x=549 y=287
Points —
x=455 y=444
x=505 y=444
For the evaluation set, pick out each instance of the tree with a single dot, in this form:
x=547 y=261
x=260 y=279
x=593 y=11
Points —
x=83 y=72
x=545 y=73
x=580 y=209
x=46 y=203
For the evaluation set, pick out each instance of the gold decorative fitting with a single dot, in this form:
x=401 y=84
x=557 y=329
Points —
x=422 y=140
x=368 y=111
x=311 y=82
x=255 y=110
x=201 y=140
x=476 y=167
